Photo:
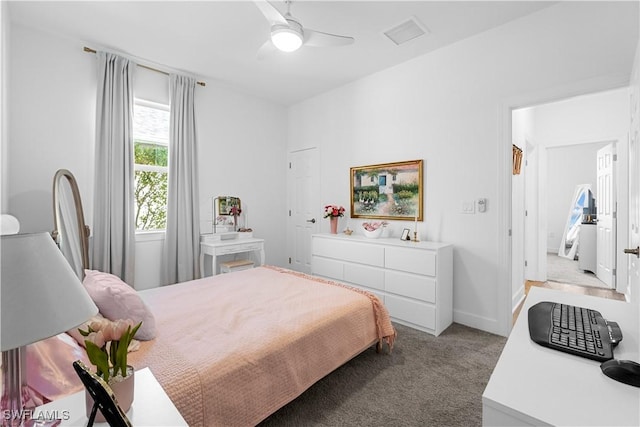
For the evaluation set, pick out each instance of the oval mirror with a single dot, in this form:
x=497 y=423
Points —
x=70 y=232
x=581 y=199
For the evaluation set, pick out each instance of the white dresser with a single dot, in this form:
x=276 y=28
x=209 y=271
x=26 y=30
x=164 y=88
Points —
x=414 y=280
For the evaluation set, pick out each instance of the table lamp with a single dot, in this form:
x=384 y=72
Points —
x=40 y=296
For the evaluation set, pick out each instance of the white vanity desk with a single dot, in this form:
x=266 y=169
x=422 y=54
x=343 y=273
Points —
x=211 y=248
x=535 y=385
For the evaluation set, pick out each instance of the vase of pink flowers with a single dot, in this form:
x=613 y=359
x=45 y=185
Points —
x=333 y=212
x=107 y=345
x=373 y=230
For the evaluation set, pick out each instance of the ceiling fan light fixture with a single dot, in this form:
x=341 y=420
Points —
x=286 y=38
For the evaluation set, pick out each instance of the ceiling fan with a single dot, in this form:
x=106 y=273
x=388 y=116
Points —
x=288 y=35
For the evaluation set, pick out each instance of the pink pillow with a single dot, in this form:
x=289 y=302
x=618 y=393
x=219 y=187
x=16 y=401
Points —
x=50 y=366
x=117 y=300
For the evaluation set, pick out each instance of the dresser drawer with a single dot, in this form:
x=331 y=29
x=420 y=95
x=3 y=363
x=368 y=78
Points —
x=410 y=285
x=369 y=277
x=327 y=268
x=411 y=260
x=375 y=292
x=349 y=251
x=421 y=314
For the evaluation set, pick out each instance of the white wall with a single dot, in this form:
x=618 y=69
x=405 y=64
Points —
x=4 y=87
x=242 y=142
x=442 y=107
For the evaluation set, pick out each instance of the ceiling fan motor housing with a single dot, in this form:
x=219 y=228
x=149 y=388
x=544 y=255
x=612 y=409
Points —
x=287 y=37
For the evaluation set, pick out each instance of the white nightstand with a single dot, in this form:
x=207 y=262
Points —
x=151 y=406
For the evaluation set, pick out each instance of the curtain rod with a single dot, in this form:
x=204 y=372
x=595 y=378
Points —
x=89 y=50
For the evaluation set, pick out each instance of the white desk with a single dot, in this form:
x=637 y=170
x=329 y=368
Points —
x=535 y=385
x=151 y=406
x=212 y=250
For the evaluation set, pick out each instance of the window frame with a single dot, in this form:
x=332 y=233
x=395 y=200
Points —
x=150 y=168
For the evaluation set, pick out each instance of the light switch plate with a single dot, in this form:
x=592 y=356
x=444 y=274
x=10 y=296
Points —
x=468 y=207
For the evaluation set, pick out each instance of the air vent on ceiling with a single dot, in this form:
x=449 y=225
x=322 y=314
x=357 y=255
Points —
x=408 y=30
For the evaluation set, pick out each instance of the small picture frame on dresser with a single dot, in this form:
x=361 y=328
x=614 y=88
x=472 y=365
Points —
x=405 y=234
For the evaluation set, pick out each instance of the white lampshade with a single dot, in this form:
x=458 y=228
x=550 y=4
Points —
x=286 y=39
x=40 y=295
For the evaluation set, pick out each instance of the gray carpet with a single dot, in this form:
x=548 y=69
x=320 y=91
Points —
x=425 y=381
x=564 y=270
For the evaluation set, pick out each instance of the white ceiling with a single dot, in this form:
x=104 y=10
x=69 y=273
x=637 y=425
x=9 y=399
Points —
x=219 y=39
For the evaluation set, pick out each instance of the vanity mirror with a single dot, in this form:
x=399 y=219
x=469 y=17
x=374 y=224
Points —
x=69 y=230
x=226 y=206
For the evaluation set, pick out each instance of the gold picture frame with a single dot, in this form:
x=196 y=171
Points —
x=387 y=191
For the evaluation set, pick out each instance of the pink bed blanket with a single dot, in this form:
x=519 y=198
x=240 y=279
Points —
x=234 y=348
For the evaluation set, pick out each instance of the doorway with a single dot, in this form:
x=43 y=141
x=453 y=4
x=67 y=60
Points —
x=558 y=139
x=303 y=193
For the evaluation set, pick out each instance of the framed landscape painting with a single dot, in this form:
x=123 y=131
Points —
x=387 y=191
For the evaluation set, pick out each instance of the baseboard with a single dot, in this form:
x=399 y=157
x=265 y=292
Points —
x=517 y=299
x=477 y=322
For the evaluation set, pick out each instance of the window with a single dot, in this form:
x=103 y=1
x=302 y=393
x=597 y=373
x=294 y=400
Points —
x=151 y=145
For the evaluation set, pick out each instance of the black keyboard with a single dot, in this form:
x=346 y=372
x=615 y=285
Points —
x=575 y=330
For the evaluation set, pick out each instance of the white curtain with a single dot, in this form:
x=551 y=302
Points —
x=113 y=217
x=182 y=243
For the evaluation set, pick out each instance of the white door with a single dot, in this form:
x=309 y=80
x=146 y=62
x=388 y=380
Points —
x=304 y=207
x=606 y=202
x=633 y=285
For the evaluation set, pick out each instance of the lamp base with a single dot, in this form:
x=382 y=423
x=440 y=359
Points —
x=14 y=390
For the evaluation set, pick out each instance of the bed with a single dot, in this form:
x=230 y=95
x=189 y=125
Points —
x=232 y=349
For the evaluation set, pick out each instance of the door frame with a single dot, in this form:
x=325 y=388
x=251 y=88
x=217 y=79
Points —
x=505 y=170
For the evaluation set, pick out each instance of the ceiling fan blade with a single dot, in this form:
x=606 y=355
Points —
x=266 y=50
x=271 y=13
x=318 y=38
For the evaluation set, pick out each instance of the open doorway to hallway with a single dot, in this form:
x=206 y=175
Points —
x=560 y=143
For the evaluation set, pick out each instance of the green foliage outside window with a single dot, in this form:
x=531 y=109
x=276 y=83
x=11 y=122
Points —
x=151 y=187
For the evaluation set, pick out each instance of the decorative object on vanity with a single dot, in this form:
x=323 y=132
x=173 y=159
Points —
x=373 y=230
x=107 y=345
x=333 y=212
x=30 y=301
x=387 y=191
x=102 y=397
x=224 y=206
x=348 y=231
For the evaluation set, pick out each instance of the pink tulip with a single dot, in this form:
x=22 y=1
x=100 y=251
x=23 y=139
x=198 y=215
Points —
x=97 y=338
x=120 y=328
x=96 y=325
